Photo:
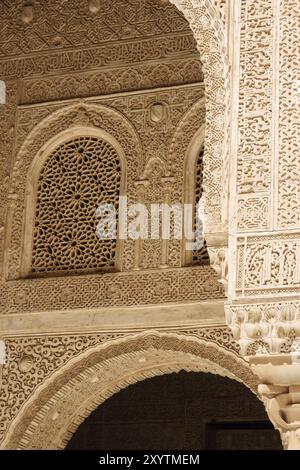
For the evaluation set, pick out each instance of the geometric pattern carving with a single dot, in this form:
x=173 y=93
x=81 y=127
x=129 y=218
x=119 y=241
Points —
x=76 y=178
x=253 y=213
x=110 y=289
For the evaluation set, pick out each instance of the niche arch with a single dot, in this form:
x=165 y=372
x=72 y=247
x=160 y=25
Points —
x=94 y=119
x=68 y=138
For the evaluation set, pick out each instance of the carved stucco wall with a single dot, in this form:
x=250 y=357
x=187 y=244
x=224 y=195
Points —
x=131 y=117
x=264 y=197
x=158 y=50
x=141 y=45
x=35 y=117
x=60 y=183
x=198 y=283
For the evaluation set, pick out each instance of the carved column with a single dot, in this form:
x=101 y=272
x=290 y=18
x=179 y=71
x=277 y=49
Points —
x=263 y=309
x=268 y=336
x=280 y=391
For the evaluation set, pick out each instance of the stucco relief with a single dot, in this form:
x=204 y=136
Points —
x=84 y=118
x=267 y=236
x=264 y=193
x=265 y=328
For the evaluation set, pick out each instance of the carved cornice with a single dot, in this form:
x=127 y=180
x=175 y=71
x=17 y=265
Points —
x=279 y=388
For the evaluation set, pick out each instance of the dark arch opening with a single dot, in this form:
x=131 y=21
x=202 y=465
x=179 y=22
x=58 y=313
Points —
x=185 y=411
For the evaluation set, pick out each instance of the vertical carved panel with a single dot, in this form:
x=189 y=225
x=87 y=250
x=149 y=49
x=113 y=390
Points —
x=255 y=152
x=289 y=117
x=268 y=175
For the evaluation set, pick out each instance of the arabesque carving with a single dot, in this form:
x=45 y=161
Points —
x=267 y=263
x=219 y=262
x=288 y=117
x=252 y=133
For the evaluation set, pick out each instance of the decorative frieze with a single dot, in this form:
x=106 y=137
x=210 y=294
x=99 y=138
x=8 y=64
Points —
x=106 y=290
x=268 y=265
x=113 y=80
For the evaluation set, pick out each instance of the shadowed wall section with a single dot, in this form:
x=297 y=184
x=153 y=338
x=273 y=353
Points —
x=179 y=412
